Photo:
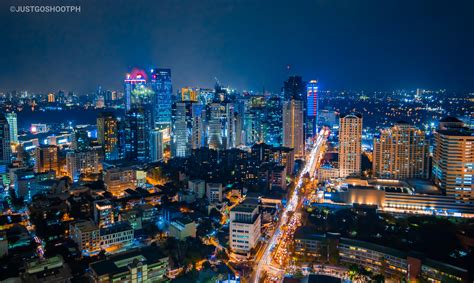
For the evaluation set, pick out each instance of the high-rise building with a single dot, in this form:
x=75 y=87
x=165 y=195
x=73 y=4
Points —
x=137 y=92
x=453 y=160
x=312 y=109
x=401 y=152
x=245 y=227
x=81 y=139
x=163 y=89
x=293 y=125
x=82 y=162
x=214 y=135
x=272 y=126
x=181 y=138
x=156 y=144
x=189 y=94
x=254 y=120
x=107 y=135
x=137 y=144
x=350 y=145
x=5 y=148
x=294 y=88
x=13 y=124
x=47 y=159
x=187 y=133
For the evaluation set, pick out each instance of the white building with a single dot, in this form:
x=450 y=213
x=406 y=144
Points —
x=245 y=227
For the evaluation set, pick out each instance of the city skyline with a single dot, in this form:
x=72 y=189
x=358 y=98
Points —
x=345 y=45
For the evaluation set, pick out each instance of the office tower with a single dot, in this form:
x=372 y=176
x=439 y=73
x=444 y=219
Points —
x=189 y=94
x=80 y=140
x=107 y=135
x=206 y=95
x=401 y=152
x=294 y=88
x=229 y=128
x=47 y=159
x=350 y=145
x=312 y=109
x=103 y=213
x=197 y=126
x=156 y=145
x=214 y=126
x=51 y=98
x=137 y=93
x=162 y=88
x=272 y=126
x=254 y=120
x=137 y=146
x=187 y=130
x=82 y=162
x=293 y=125
x=13 y=124
x=453 y=160
x=245 y=227
x=180 y=129
x=5 y=148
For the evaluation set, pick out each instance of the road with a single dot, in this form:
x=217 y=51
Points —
x=311 y=164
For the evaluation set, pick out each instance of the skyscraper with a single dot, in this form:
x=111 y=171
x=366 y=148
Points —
x=5 y=149
x=453 y=160
x=272 y=127
x=13 y=124
x=254 y=120
x=47 y=159
x=187 y=131
x=180 y=137
x=163 y=89
x=350 y=145
x=156 y=145
x=214 y=124
x=312 y=109
x=401 y=152
x=137 y=92
x=107 y=135
x=80 y=140
x=294 y=88
x=293 y=125
x=137 y=130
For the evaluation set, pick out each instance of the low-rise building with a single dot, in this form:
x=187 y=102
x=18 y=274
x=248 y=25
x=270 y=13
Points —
x=145 y=265
x=214 y=192
x=91 y=239
x=181 y=228
x=392 y=263
x=52 y=269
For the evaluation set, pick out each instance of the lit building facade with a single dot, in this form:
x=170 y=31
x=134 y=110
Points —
x=245 y=227
x=13 y=126
x=312 y=109
x=5 y=149
x=107 y=135
x=145 y=265
x=453 y=163
x=350 y=145
x=46 y=159
x=103 y=213
x=293 y=126
x=401 y=152
x=162 y=87
x=137 y=131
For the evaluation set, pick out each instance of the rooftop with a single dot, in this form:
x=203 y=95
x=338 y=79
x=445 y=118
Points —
x=119 y=263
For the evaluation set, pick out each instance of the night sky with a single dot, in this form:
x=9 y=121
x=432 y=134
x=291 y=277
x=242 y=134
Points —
x=350 y=44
